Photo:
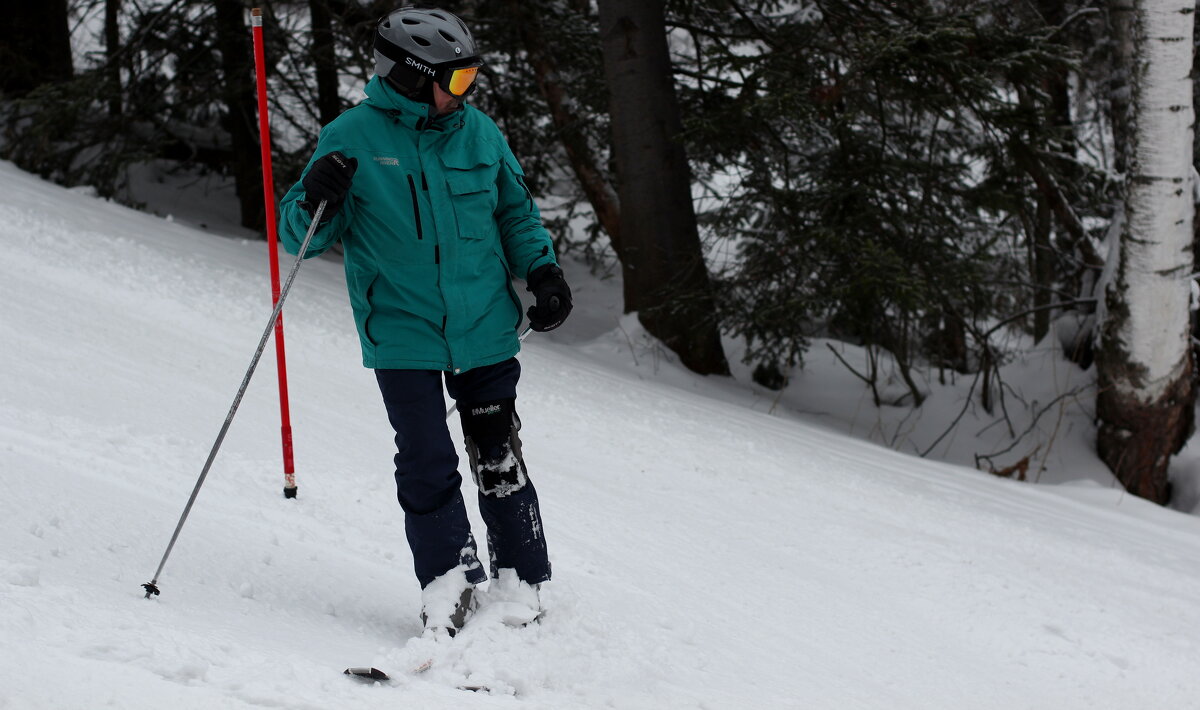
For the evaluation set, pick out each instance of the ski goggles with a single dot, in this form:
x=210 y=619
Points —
x=459 y=81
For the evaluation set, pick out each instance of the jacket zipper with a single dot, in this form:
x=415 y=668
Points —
x=412 y=187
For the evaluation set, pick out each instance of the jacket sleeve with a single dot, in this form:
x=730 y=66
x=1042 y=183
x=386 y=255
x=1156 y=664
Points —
x=527 y=244
x=294 y=219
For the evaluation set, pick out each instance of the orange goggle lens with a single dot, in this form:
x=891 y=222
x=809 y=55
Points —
x=461 y=80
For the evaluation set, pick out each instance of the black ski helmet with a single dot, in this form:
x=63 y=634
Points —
x=416 y=47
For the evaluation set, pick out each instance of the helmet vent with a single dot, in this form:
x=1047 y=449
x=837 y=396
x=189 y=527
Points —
x=410 y=21
x=447 y=36
x=422 y=41
x=440 y=17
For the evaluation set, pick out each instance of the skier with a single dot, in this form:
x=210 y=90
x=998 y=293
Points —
x=434 y=216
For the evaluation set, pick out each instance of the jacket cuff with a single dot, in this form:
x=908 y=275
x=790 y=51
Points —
x=546 y=258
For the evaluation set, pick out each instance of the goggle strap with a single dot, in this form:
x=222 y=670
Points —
x=390 y=49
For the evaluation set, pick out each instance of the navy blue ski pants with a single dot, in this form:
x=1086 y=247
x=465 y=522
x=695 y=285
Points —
x=428 y=484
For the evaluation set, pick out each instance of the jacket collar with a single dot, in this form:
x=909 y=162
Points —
x=412 y=114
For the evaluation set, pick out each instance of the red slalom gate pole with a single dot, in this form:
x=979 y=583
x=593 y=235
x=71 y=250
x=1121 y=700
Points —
x=264 y=132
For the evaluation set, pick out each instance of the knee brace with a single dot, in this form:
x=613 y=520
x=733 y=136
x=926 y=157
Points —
x=493 y=447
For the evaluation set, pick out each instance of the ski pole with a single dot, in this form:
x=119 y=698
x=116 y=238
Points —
x=521 y=338
x=151 y=587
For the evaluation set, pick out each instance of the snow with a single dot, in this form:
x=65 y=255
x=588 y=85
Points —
x=442 y=597
x=714 y=545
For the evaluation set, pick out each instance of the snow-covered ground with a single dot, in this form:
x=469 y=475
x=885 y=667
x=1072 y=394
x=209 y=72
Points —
x=714 y=545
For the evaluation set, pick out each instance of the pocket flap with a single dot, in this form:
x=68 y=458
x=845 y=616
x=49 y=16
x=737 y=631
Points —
x=465 y=182
x=469 y=155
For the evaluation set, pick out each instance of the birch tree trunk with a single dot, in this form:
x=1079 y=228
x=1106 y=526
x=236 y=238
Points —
x=1146 y=399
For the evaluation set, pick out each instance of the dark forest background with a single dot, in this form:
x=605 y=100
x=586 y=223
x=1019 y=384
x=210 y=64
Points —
x=917 y=177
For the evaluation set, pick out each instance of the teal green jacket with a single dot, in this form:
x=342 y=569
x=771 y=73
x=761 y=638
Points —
x=437 y=221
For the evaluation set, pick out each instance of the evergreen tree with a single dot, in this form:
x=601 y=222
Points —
x=868 y=159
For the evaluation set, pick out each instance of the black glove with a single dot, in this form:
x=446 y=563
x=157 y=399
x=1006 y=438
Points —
x=328 y=179
x=553 y=298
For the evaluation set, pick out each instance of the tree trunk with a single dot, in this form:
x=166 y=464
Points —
x=567 y=124
x=1196 y=166
x=1057 y=86
x=112 y=46
x=324 y=58
x=1042 y=267
x=35 y=46
x=237 y=65
x=1120 y=26
x=666 y=279
x=1147 y=393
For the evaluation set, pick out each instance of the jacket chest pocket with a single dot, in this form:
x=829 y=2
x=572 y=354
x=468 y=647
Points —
x=473 y=196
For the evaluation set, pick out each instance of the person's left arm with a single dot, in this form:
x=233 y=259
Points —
x=528 y=247
x=527 y=244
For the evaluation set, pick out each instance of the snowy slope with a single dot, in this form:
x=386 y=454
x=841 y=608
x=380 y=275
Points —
x=706 y=555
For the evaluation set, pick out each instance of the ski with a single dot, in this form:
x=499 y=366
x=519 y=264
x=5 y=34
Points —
x=365 y=673
x=374 y=675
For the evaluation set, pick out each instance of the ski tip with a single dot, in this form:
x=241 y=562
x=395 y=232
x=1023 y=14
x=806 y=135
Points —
x=476 y=689
x=367 y=673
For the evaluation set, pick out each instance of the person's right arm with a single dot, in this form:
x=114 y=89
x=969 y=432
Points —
x=327 y=176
